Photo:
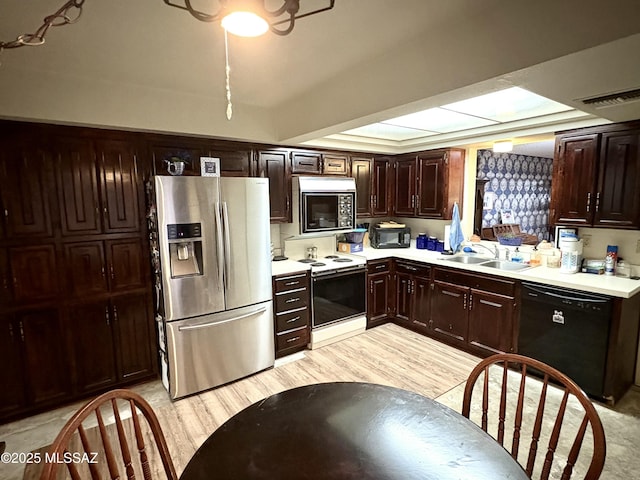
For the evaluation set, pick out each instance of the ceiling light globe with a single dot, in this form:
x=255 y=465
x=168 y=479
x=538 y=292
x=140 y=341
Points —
x=245 y=24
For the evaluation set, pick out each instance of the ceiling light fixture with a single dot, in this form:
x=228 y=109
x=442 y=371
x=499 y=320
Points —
x=248 y=18
x=503 y=146
x=251 y=18
x=69 y=13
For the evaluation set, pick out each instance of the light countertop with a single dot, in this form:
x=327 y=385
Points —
x=602 y=284
x=286 y=267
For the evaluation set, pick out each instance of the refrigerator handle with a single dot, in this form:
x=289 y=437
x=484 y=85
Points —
x=219 y=245
x=227 y=244
x=210 y=324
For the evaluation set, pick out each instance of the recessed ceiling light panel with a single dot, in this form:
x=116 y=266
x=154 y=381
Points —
x=508 y=105
x=439 y=120
x=388 y=132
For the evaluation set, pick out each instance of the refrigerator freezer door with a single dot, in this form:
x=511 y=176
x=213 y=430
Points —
x=245 y=213
x=190 y=200
x=211 y=350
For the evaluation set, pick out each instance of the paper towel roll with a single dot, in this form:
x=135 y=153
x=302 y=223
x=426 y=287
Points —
x=447 y=242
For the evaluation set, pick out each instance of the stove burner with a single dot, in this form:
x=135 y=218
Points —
x=332 y=256
x=343 y=260
x=318 y=264
x=307 y=260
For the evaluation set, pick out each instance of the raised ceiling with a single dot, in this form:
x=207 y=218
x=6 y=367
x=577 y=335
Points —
x=145 y=66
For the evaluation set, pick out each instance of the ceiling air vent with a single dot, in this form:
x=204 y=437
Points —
x=613 y=99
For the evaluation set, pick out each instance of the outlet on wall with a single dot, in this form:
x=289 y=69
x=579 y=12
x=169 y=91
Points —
x=586 y=240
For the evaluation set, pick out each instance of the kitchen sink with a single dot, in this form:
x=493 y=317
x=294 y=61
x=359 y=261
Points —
x=502 y=265
x=467 y=259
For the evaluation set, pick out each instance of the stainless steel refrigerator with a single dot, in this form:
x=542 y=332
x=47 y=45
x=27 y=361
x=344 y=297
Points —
x=215 y=262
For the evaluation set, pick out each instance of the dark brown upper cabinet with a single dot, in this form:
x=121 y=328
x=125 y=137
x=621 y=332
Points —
x=382 y=187
x=361 y=172
x=78 y=192
x=274 y=165
x=596 y=177
x=27 y=189
x=429 y=183
x=306 y=162
x=121 y=192
x=406 y=180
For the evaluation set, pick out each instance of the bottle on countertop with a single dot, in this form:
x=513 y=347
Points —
x=536 y=258
x=610 y=260
x=517 y=256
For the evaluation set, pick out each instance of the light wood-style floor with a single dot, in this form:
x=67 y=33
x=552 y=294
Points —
x=387 y=355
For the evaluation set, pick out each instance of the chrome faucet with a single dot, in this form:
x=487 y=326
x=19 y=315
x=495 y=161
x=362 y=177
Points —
x=495 y=252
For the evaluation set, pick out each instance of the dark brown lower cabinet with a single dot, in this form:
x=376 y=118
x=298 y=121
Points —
x=93 y=348
x=379 y=288
x=449 y=312
x=412 y=295
x=133 y=332
x=46 y=365
x=474 y=312
x=12 y=393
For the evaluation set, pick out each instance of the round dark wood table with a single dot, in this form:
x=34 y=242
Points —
x=350 y=431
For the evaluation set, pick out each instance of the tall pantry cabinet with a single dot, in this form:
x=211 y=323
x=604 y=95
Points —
x=74 y=316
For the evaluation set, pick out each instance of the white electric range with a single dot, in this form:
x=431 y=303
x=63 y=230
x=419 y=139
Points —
x=338 y=295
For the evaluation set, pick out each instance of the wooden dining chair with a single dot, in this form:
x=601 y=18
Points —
x=81 y=448
x=527 y=408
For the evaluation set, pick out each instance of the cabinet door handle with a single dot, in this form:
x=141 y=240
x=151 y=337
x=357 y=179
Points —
x=103 y=271
x=113 y=275
x=420 y=323
x=21 y=331
x=106 y=316
x=588 y=201
x=413 y=201
x=464 y=301
x=597 y=201
x=308 y=164
x=470 y=301
x=296 y=282
x=380 y=267
x=292 y=300
x=294 y=319
x=375 y=200
x=115 y=313
x=293 y=339
x=334 y=164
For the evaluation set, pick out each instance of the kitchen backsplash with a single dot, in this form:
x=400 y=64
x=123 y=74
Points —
x=519 y=184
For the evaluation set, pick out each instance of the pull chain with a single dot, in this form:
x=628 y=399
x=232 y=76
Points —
x=227 y=72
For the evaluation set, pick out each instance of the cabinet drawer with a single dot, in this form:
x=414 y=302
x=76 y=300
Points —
x=334 y=165
x=290 y=320
x=413 y=269
x=292 y=300
x=291 y=282
x=379 y=267
x=489 y=284
x=294 y=338
x=305 y=162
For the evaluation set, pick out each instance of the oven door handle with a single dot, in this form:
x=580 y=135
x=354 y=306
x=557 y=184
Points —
x=338 y=273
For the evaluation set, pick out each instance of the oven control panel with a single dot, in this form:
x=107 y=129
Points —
x=345 y=211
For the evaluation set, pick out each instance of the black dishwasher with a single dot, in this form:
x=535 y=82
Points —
x=568 y=330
